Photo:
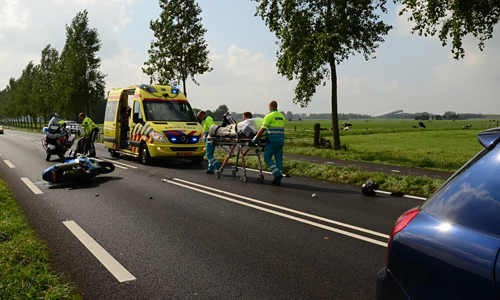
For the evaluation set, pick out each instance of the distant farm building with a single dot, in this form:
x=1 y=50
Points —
x=388 y=114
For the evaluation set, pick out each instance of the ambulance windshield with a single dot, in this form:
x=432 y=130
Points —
x=168 y=111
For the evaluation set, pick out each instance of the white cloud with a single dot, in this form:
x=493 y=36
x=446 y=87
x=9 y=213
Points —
x=470 y=83
x=122 y=68
x=401 y=24
x=14 y=15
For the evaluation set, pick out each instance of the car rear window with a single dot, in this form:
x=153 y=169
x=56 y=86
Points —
x=472 y=197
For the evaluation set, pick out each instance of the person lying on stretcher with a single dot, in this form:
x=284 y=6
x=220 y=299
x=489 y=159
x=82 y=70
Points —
x=245 y=129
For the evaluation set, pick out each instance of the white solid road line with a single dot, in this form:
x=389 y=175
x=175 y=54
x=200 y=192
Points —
x=31 y=185
x=116 y=165
x=255 y=170
x=100 y=253
x=396 y=171
x=336 y=230
x=406 y=196
x=11 y=165
x=288 y=209
x=120 y=163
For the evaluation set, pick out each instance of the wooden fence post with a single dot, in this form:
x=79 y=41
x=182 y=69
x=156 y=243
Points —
x=316 y=134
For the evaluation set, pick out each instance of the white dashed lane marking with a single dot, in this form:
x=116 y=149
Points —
x=11 y=165
x=113 y=266
x=31 y=185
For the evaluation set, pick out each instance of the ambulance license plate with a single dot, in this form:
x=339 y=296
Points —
x=184 y=154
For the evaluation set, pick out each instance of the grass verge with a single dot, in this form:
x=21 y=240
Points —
x=415 y=185
x=25 y=266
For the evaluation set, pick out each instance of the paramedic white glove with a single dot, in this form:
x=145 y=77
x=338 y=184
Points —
x=254 y=140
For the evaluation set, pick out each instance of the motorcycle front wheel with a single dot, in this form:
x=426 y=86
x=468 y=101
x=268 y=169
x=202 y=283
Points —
x=106 y=167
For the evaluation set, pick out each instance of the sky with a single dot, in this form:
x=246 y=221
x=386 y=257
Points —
x=411 y=73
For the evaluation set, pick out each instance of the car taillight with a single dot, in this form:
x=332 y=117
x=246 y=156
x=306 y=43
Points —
x=400 y=224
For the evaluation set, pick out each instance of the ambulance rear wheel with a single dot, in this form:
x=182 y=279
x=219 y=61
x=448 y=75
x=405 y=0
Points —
x=144 y=156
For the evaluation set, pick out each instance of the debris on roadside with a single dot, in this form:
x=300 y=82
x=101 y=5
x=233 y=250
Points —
x=397 y=194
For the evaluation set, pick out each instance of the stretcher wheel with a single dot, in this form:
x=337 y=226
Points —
x=217 y=174
x=244 y=178
x=260 y=178
x=234 y=173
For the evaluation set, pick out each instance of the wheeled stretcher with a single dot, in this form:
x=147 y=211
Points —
x=236 y=140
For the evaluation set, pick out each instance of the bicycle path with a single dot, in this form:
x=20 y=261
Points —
x=372 y=167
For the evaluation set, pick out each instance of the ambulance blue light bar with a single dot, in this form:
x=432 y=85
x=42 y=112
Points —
x=175 y=90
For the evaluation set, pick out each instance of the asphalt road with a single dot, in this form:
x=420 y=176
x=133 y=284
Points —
x=170 y=231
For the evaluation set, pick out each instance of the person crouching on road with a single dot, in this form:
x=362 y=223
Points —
x=207 y=121
x=91 y=130
x=274 y=127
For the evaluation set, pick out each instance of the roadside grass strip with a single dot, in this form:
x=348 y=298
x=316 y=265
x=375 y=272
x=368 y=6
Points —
x=408 y=184
x=25 y=264
x=224 y=195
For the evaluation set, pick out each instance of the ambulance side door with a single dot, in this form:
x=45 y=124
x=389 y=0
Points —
x=110 y=120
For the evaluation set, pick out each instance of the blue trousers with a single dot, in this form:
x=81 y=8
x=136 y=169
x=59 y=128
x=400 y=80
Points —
x=213 y=163
x=274 y=148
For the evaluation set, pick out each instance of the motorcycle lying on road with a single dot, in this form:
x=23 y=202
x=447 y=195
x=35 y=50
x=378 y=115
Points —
x=73 y=170
x=57 y=140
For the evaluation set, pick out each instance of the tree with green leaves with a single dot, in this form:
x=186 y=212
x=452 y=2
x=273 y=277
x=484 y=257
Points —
x=314 y=36
x=24 y=95
x=44 y=84
x=453 y=20
x=179 y=50
x=81 y=83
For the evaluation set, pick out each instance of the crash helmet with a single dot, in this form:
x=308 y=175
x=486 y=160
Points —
x=368 y=188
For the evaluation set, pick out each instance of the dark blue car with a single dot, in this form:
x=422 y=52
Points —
x=449 y=247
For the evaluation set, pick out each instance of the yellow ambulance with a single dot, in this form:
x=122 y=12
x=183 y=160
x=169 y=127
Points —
x=152 y=122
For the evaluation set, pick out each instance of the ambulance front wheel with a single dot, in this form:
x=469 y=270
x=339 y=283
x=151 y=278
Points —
x=144 y=156
x=197 y=161
x=114 y=153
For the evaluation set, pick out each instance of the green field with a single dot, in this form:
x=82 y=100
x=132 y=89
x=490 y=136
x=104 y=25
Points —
x=442 y=145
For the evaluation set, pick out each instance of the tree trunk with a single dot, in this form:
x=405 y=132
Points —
x=335 y=117
x=184 y=86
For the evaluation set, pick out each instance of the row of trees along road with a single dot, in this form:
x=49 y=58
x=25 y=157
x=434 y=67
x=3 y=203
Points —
x=65 y=84
x=314 y=36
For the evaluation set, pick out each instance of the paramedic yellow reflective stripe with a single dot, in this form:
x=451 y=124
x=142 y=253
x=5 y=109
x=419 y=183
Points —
x=207 y=123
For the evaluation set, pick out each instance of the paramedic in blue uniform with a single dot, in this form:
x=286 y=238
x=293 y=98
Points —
x=274 y=127
x=207 y=121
